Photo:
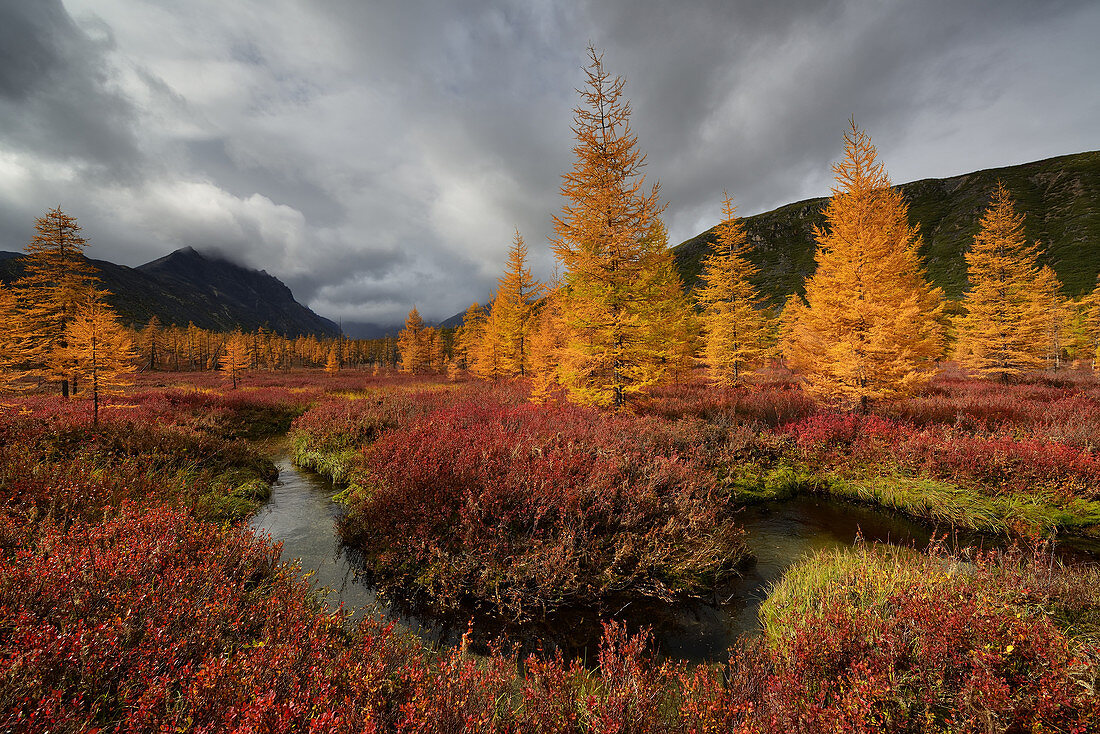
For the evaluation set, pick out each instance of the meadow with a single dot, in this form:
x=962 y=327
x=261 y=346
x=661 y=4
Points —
x=133 y=597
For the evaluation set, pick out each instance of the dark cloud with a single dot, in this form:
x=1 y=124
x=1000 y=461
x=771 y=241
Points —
x=376 y=155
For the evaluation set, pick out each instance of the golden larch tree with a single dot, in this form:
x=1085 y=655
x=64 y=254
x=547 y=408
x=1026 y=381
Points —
x=735 y=328
x=546 y=341
x=488 y=362
x=99 y=351
x=468 y=336
x=1055 y=311
x=1090 y=317
x=433 y=344
x=412 y=345
x=332 y=363
x=57 y=280
x=10 y=337
x=517 y=292
x=1003 y=332
x=616 y=283
x=237 y=357
x=868 y=329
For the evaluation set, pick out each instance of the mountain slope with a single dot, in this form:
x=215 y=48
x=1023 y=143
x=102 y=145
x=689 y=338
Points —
x=188 y=286
x=1059 y=196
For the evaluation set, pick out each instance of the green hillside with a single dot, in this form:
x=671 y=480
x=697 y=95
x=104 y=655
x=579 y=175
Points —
x=1059 y=196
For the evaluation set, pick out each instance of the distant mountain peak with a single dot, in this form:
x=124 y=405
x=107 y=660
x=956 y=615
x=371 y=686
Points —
x=207 y=289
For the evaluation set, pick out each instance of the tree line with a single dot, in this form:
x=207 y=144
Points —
x=869 y=327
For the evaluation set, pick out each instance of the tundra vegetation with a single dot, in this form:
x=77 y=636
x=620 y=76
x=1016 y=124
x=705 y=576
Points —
x=564 y=449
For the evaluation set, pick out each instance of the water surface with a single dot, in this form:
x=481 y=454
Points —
x=301 y=514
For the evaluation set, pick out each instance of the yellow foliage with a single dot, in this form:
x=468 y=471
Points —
x=1006 y=329
x=98 y=351
x=512 y=310
x=57 y=281
x=236 y=358
x=734 y=327
x=620 y=288
x=332 y=364
x=412 y=345
x=868 y=328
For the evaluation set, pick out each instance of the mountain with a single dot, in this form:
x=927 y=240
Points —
x=190 y=286
x=1060 y=198
x=367 y=330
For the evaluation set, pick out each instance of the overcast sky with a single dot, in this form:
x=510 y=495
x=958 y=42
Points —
x=379 y=154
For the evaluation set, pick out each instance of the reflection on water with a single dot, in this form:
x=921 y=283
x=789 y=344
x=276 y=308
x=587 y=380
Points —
x=301 y=513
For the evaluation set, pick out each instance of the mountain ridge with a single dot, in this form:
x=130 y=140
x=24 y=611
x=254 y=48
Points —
x=1059 y=196
x=188 y=286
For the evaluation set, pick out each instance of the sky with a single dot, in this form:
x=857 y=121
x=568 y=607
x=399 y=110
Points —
x=376 y=155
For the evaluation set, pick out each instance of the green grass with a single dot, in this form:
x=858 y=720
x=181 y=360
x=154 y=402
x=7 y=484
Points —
x=336 y=465
x=961 y=507
x=864 y=575
x=937 y=502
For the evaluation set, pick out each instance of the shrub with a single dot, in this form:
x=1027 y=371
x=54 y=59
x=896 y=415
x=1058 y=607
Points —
x=532 y=507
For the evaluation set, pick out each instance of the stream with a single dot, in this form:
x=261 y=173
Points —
x=301 y=513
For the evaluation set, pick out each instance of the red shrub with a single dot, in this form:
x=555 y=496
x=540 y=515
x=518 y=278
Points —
x=533 y=506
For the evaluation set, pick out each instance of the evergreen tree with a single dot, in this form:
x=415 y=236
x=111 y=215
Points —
x=868 y=328
x=99 y=351
x=1004 y=330
x=488 y=362
x=468 y=336
x=734 y=327
x=332 y=364
x=57 y=280
x=237 y=357
x=617 y=283
x=411 y=344
x=517 y=293
x=10 y=337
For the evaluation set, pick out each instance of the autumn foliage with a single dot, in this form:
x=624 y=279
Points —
x=623 y=313
x=734 y=327
x=867 y=330
x=1013 y=307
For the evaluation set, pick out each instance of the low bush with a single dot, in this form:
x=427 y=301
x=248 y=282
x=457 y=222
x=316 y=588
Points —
x=529 y=507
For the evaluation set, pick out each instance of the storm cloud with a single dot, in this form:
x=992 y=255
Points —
x=379 y=155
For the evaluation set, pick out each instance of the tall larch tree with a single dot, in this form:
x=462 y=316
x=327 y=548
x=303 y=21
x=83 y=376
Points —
x=546 y=343
x=1090 y=317
x=1055 y=312
x=412 y=344
x=488 y=362
x=615 y=287
x=57 y=280
x=10 y=337
x=332 y=363
x=468 y=336
x=868 y=329
x=513 y=306
x=1003 y=331
x=100 y=351
x=735 y=328
x=237 y=357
